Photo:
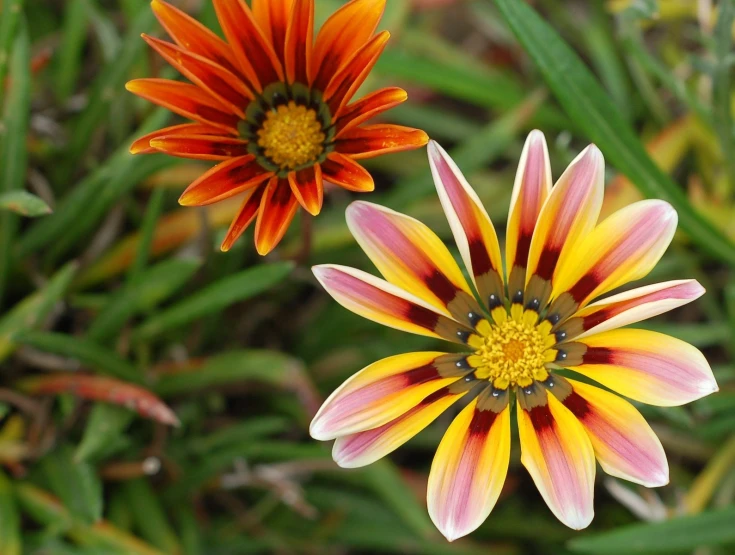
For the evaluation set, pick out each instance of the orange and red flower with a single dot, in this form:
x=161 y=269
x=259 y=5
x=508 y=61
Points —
x=534 y=318
x=272 y=106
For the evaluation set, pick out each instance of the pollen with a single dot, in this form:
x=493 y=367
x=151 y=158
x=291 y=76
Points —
x=512 y=349
x=291 y=136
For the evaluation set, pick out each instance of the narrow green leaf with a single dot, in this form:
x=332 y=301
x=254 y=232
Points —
x=10 y=538
x=13 y=151
x=152 y=213
x=76 y=483
x=677 y=535
x=105 y=424
x=215 y=298
x=149 y=517
x=24 y=203
x=152 y=287
x=30 y=312
x=587 y=104
x=88 y=353
x=12 y=10
x=722 y=85
x=73 y=35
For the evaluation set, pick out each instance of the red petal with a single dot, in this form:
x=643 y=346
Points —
x=186 y=100
x=346 y=82
x=307 y=187
x=342 y=34
x=224 y=180
x=216 y=80
x=277 y=209
x=272 y=17
x=348 y=174
x=200 y=147
x=188 y=33
x=248 y=210
x=369 y=106
x=373 y=140
x=299 y=38
x=143 y=145
x=255 y=54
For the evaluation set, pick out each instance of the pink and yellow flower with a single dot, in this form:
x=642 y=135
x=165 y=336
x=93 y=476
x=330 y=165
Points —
x=531 y=320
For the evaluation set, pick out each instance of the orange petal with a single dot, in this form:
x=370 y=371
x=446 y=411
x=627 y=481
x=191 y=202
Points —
x=215 y=79
x=272 y=17
x=342 y=34
x=277 y=209
x=299 y=39
x=307 y=187
x=246 y=214
x=186 y=100
x=348 y=174
x=224 y=180
x=373 y=140
x=200 y=147
x=254 y=53
x=143 y=144
x=345 y=83
x=369 y=106
x=188 y=33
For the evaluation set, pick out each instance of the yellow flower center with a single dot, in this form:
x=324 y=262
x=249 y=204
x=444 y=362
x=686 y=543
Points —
x=291 y=136
x=512 y=350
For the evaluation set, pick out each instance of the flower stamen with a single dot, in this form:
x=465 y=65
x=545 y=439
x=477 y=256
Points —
x=291 y=136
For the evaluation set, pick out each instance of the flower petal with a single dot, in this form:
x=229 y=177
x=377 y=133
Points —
x=186 y=100
x=557 y=452
x=624 y=443
x=363 y=448
x=272 y=17
x=369 y=106
x=530 y=191
x=248 y=210
x=342 y=34
x=646 y=366
x=215 y=79
x=299 y=42
x=277 y=209
x=143 y=144
x=412 y=257
x=375 y=140
x=348 y=174
x=569 y=213
x=623 y=248
x=630 y=307
x=473 y=231
x=383 y=302
x=188 y=33
x=255 y=55
x=469 y=469
x=307 y=187
x=345 y=83
x=384 y=391
x=224 y=181
x=200 y=147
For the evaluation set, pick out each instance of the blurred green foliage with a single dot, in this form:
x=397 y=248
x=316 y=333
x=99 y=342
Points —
x=120 y=283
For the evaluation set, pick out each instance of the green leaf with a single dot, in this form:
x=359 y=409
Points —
x=587 y=104
x=215 y=298
x=30 y=312
x=12 y=10
x=149 y=516
x=105 y=424
x=13 y=151
x=88 y=353
x=24 y=203
x=153 y=286
x=677 y=535
x=76 y=483
x=73 y=36
x=10 y=539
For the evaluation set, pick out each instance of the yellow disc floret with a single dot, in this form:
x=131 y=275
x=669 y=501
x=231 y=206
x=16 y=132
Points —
x=513 y=350
x=291 y=136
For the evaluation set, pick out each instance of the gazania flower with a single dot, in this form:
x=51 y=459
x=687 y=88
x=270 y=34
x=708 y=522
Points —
x=273 y=109
x=516 y=330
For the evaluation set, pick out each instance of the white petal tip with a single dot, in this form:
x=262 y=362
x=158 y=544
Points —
x=318 y=432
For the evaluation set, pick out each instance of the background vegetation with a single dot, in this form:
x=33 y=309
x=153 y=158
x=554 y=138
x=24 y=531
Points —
x=119 y=301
